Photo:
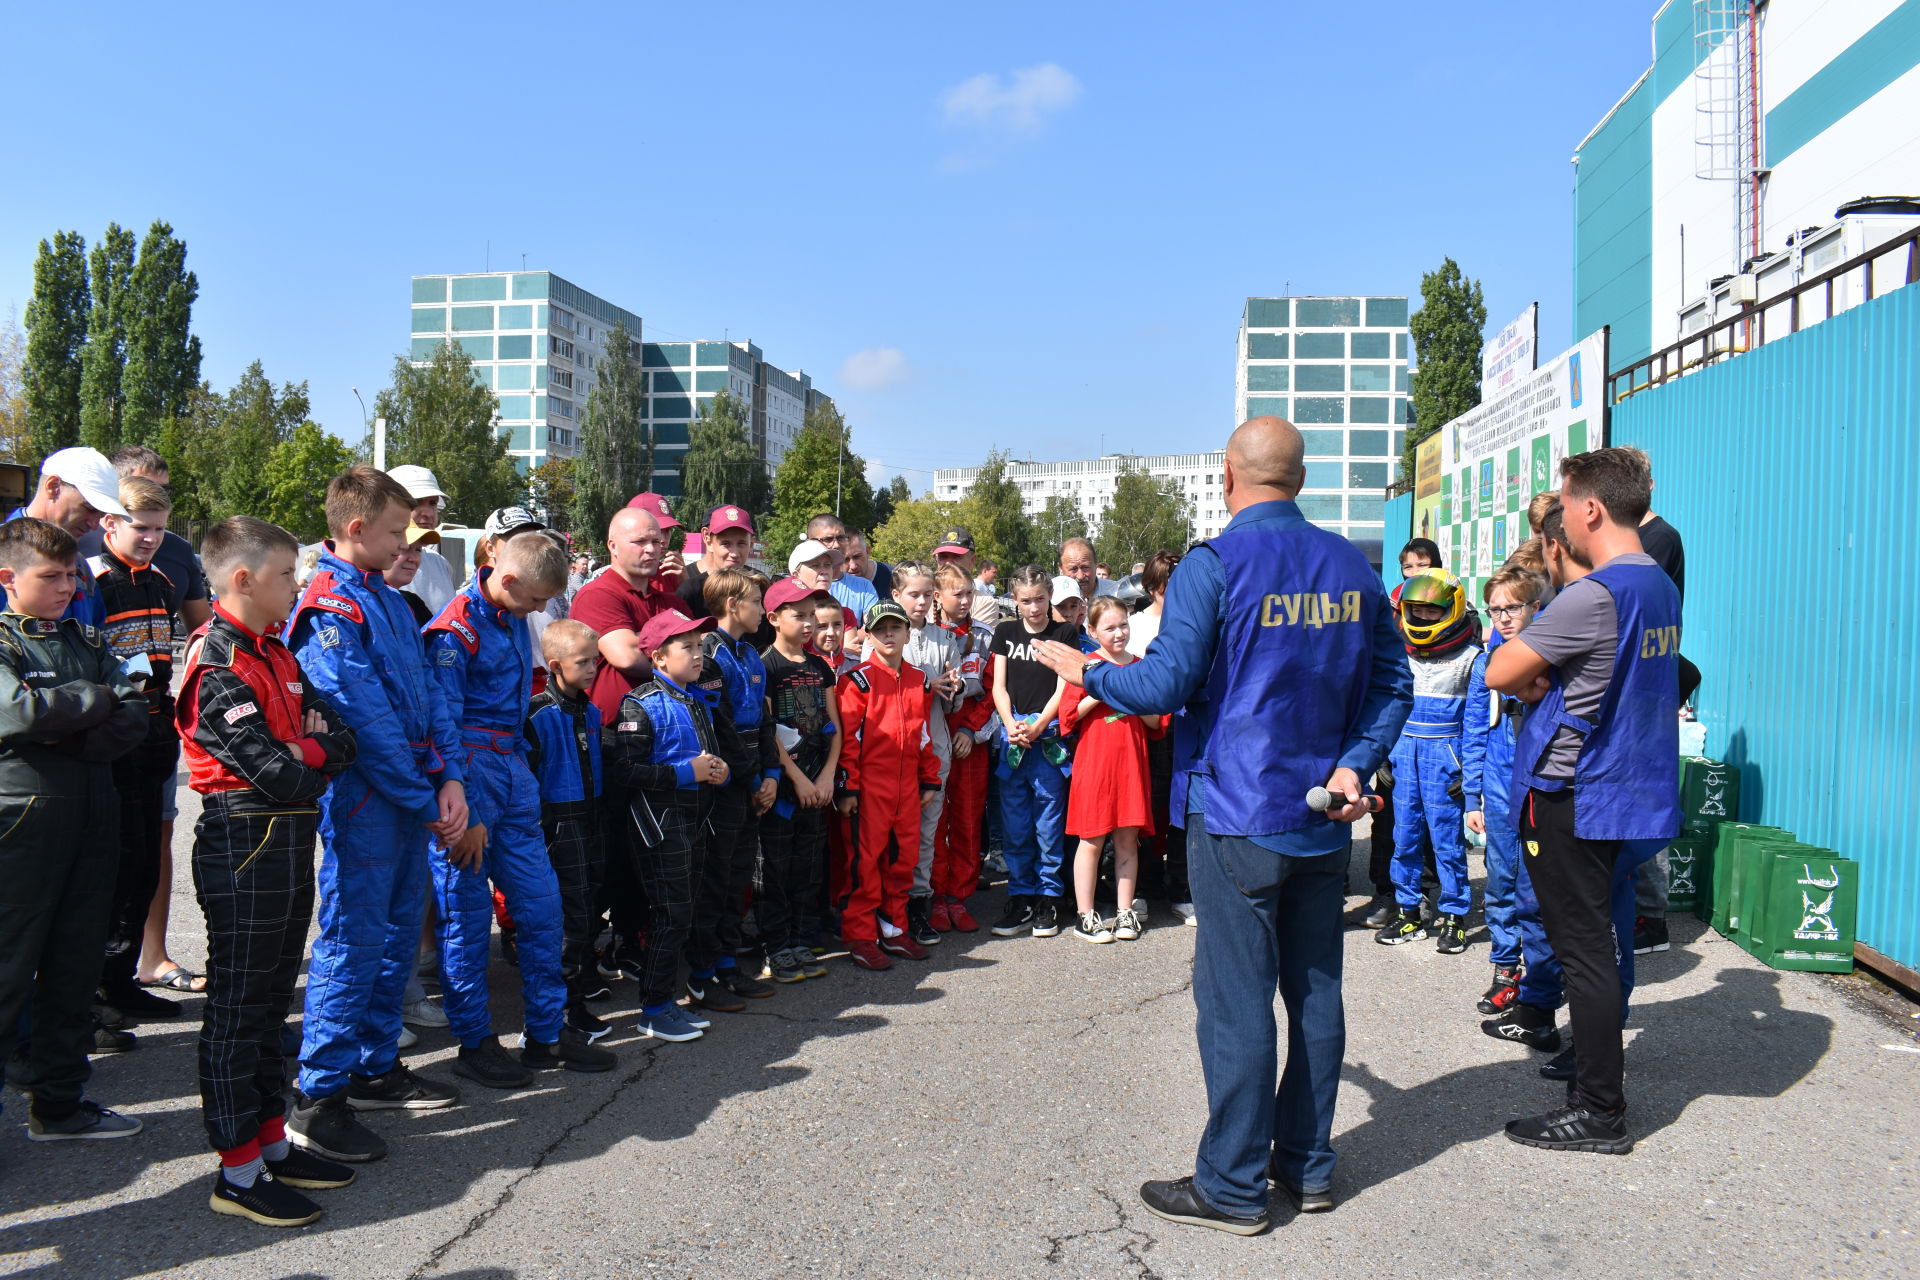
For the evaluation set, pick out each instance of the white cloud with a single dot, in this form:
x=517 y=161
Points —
x=1019 y=103
x=875 y=369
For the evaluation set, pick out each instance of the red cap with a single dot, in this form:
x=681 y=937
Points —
x=729 y=518
x=663 y=627
x=789 y=591
x=657 y=505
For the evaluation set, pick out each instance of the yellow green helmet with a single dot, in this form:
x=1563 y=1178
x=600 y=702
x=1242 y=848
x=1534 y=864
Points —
x=1441 y=590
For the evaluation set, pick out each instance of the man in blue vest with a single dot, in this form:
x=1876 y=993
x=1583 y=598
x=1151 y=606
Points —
x=1597 y=763
x=1278 y=641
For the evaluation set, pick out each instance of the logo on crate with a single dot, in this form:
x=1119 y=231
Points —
x=1816 y=918
x=1680 y=882
x=1713 y=802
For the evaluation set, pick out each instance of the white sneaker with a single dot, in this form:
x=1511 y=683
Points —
x=423 y=1013
x=408 y=1037
x=1126 y=926
x=1185 y=911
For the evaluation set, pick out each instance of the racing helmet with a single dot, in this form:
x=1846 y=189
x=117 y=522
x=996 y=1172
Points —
x=1440 y=589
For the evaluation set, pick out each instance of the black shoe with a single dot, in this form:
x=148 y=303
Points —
x=311 y=1172
x=1319 y=1201
x=586 y=1021
x=1560 y=1066
x=920 y=922
x=1384 y=913
x=326 y=1127
x=1649 y=935
x=269 y=1202
x=398 y=1090
x=140 y=1006
x=488 y=1064
x=711 y=993
x=1504 y=991
x=1017 y=919
x=1046 y=918
x=1452 y=935
x=1575 y=1127
x=108 y=1039
x=572 y=1051
x=740 y=983
x=1178 y=1201
x=1509 y=1027
x=1406 y=927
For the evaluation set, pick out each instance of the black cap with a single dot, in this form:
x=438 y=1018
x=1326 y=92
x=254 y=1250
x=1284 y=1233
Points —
x=957 y=539
x=885 y=609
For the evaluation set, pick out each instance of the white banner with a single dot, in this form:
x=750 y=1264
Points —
x=1511 y=355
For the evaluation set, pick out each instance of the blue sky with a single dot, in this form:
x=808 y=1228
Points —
x=1022 y=225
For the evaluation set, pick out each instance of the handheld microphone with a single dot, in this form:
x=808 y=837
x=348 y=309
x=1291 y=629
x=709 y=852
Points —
x=1319 y=799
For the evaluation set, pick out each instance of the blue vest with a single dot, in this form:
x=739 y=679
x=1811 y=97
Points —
x=743 y=675
x=566 y=733
x=1290 y=674
x=1626 y=780
x=682 y=723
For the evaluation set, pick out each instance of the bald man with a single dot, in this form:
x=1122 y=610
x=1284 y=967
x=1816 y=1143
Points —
x=619 y=602
x=1278 y=642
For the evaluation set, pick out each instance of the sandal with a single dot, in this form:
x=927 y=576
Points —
x=181 y=979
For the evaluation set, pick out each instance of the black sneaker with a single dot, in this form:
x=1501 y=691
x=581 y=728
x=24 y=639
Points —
x=711 y=993
x=785 y=966
x=87 y=1121
x=326 y=1127
x=398 y=1090
x=309 y=1171
x=140 y=1006
x=1046 y=918
x=1576 y=1127
x=1560 y=1066
x=269 y=1202
x=1406 y=927
x=1509 y=1026
x=1452 y=935
x=488 y=1064
x=1649 y=935
x=740 y=983
x=1385 y=912
x=1179 y=1201
x=920 y=922
x=1319 y=1200
x=572 y=1051
x=586 y=1021
x=108 y=1039
x=1504 y=991
x=1017 y=919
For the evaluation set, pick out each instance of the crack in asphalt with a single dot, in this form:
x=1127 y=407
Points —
x=505 y=1197
x=1133 y=1250
x=1136 y=1007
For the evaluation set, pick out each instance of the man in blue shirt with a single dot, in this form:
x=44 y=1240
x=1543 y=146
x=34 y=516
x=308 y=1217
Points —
x=1278 y=641
x=77 y=486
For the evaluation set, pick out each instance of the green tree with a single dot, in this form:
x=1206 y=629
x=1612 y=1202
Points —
x=440 y=417
x=721 y=467
x=224 y=446
x=886 y=501
x=14 y=441
x=1001 y=530
x=56 y=334
x=162 y=365
x=615 y=457
x=297 y=469
x=1059 y=520
x=104 y=357
x=551 y=494
x=820 y=466
x=1448 y=336
x=1146 y=515
x=914 y=528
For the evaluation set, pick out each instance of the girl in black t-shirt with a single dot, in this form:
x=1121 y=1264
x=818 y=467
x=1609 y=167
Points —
x=1033 y=772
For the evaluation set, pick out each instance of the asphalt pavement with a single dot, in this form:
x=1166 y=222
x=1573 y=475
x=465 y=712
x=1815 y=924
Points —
x=992 y=1113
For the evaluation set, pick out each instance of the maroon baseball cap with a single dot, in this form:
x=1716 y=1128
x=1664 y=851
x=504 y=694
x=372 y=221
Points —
x=729 y=518
x=663 y=627
x=658 y=507
x=789 y=591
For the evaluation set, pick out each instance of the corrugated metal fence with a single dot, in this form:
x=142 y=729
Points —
x=1791 y=472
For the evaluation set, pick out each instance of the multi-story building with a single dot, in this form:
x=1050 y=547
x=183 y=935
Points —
x=1089 y=484
x=1737 y=164
x=682 y=376
x=535 y=340
x=1337 y=369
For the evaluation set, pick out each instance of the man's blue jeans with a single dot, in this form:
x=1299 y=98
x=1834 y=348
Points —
x=1268 y=922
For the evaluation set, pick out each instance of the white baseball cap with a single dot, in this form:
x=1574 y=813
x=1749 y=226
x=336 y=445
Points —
x=88 y=471
x=811 y=549
x=418 y=482
x=1065 y=588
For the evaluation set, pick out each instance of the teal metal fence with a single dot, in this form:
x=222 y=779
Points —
x=1398 y=528
x=1790 y=472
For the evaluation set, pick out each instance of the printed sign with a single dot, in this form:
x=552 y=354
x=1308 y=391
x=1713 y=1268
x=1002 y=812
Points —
x=1511 y=354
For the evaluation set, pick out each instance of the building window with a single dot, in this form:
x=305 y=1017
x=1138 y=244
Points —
x=1329 y=313
x=1400 y=412
x=1371 y=346
x=1367 y=409
x=1371 y=377
x=712 y=380
x=1386 y=313
x=430 y=289
x=516 y=317
x=472 y=319
x=1321 y=346
x=479 y=288
x=720 y=353
x=666 y=355
x=1267 y=313
x=1321 y=377
x=516 y=406
x=669 y=382
x=1367 y=475
x=423 y=349
x=429 y=319
x=530 y=284
x=1367 y=444
x=1267 y=377
x=514 y=377
x=1319 y=508
x=1362 y=507
x=1399 y=346
x=1326 y=475
x=1259 y=406
x=1319 y=409
x=558 y=377
x=672 y=407
x=1321 y=444
x=557 y=346
x=1266 y=346
x=478 y=348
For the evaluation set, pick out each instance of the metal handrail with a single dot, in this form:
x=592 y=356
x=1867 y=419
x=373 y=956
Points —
x=1700 y=349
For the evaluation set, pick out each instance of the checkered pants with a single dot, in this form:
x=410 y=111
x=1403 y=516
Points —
x=253 y=874
x=792 y=854
x=668 y=874
x=720 y=896
x=578 y=854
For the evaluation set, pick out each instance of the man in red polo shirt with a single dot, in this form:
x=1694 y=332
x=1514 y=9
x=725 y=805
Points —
x=618 y=603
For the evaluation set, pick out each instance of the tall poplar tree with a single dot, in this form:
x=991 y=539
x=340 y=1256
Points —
x=104 y=357
x=820 y=472
x=56 y=333
x=721 y=467
x=162 y=365
x=1448 y=333
x=615 y=457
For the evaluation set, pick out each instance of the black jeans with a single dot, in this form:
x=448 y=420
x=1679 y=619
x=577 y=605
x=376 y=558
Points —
x=253 y=875
x=140 y=777
x=57 y=861
x=668 y=875
x=720 y=901
x=578 y=854
x=1573 y=879
x=791 y=857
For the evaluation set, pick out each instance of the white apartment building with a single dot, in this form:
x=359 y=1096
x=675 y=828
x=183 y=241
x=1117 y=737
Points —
x=1089 y=482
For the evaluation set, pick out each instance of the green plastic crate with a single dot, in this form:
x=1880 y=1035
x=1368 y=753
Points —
x=1802 y=907
x=1690 y=873
x=1709 y=792
x=1743 y=846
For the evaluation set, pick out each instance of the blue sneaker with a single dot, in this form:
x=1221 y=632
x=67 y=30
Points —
x=671 y=1024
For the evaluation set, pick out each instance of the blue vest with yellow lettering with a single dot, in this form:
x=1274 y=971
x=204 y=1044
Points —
x=1290 y=673
x=1626 y=781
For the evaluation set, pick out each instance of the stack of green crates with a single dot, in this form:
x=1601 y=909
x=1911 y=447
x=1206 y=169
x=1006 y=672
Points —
x=1800 y=906
x=1735 y=851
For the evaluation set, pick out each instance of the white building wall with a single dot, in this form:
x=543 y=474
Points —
x=1090 y=483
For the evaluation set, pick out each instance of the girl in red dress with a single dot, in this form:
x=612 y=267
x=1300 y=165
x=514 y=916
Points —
x=1112 y=789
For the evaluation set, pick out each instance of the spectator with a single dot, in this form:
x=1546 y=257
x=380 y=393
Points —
x=1076 y=562
x=727 y=541
x=860 y=561
x=77 y=487
x=434 y=581
x=619 y=602
x=855 y=593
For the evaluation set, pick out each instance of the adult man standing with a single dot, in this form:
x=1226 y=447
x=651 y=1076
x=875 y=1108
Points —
x=77 y=486
x=1598 y=762
x=434 y=581
x=1279 y=643
x=1076 y=562
x=854 y=593
x=726 y=541
x=618 y=603
x=860 y=563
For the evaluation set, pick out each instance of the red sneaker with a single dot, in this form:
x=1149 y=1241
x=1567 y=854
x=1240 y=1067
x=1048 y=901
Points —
x=938 y=917
x=904 y=945
x=961 y=918
x=868 y=955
